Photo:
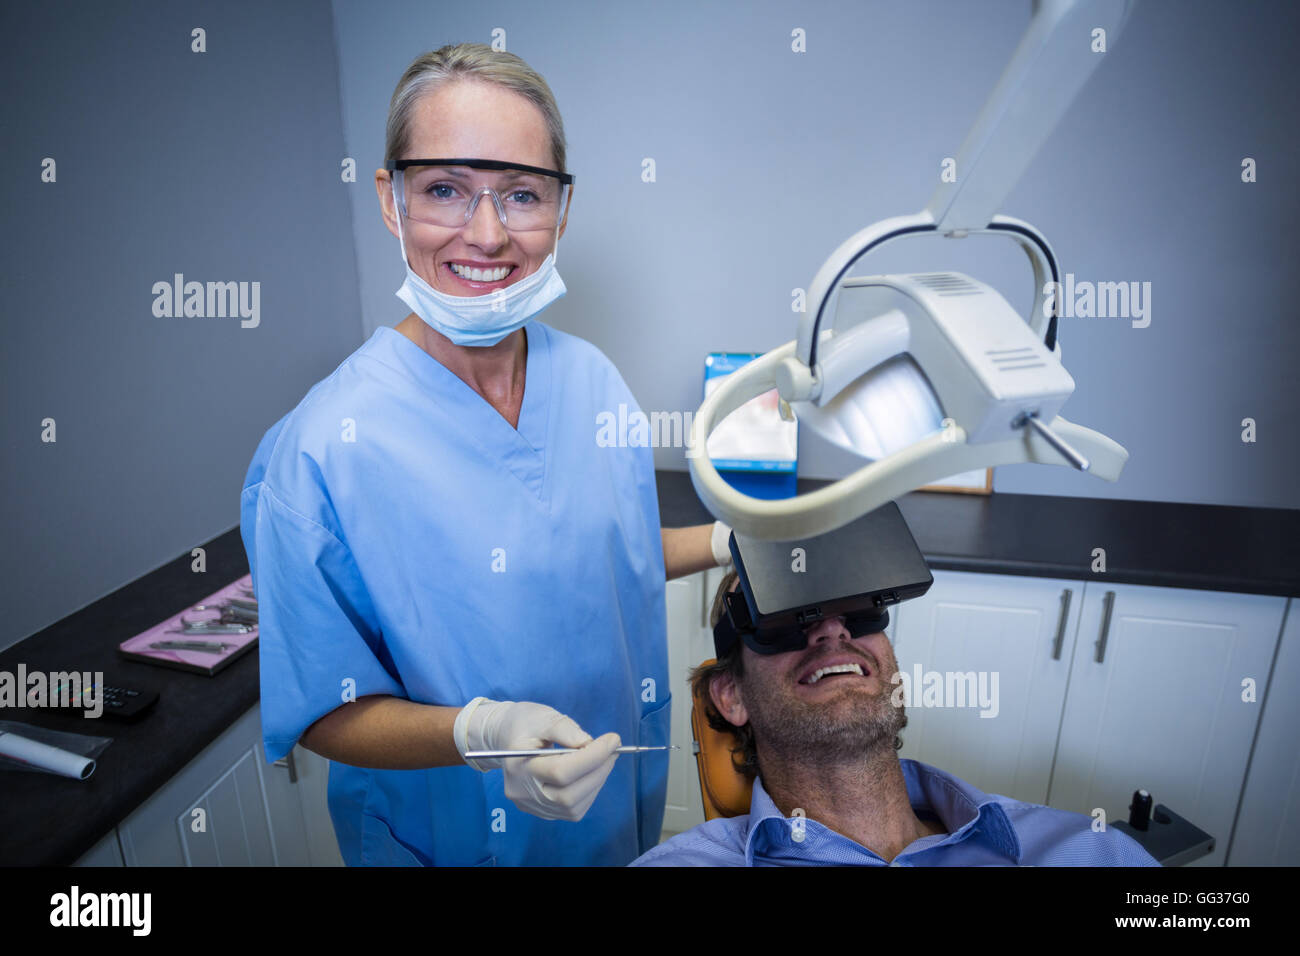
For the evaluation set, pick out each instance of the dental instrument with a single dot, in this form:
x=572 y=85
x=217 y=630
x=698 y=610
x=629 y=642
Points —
x=548 y=751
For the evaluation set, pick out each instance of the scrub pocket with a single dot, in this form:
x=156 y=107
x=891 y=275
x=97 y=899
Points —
x=652 y=773
x=656 y=726
x=379 y=847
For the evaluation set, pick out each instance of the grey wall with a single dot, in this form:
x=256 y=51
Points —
x=222 y=166
x=768 y=159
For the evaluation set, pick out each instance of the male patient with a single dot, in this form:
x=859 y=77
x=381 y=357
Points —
x=817 y=731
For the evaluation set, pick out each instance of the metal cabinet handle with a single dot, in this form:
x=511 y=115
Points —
x=1105 y=626
x=1060 y=625
x=287 y=762
x=705 y=607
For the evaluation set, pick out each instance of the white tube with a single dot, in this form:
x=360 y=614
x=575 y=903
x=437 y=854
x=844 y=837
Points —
x=44 y=757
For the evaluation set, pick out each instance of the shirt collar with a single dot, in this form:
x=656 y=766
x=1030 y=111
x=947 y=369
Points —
x=967 y=813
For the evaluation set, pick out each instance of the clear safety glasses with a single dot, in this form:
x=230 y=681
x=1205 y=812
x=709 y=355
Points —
x=446 y=192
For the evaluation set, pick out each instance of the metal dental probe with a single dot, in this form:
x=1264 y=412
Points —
x=547 y=751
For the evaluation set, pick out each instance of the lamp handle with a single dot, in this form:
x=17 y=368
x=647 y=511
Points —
x=1042 y=260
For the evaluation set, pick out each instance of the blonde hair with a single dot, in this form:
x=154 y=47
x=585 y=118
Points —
x=468 y=61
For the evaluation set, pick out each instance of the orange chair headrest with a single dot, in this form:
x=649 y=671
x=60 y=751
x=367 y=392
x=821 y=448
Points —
x=725 y=790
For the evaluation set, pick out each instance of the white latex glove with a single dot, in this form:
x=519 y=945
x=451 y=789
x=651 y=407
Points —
x=554 y=788
x=719 y=542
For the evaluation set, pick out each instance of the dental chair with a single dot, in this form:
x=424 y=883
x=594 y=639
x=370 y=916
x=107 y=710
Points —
x=724 y=789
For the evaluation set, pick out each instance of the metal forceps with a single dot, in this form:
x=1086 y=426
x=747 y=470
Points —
x=211 y=626
x=233 y=611
x=233 y=620
x=207 y=647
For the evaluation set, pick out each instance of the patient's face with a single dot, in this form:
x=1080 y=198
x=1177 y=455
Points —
x=804 y=711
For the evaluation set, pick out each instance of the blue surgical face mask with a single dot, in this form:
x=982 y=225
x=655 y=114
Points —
x=480 y=319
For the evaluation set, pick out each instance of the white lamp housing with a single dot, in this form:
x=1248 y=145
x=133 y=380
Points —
x=983 y=366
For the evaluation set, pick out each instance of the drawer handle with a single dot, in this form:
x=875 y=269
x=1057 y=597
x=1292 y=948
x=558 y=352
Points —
x=1105 y=626
x=287 y=762
x=1060 y=625
x=705 y=604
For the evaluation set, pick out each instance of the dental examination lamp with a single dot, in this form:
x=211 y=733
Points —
x=939 y=375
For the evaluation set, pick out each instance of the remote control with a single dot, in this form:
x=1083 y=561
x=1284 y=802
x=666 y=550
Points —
x=120 y=703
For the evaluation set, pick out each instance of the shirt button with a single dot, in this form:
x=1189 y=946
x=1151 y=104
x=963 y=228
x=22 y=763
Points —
x=894 y=863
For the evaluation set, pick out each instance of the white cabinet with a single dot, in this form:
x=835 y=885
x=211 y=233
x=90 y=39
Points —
x=210 y=813
x=312 y=789
x=228 y=807
x=1268 y=822
x=1007 y=635
x=1155 y=701
x=104 y=853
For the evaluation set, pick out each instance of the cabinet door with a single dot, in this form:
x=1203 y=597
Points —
x=1155 y=702
x=1010 y=636
x=312 y=771
x=690 y=642
x=1268 y=824
x=282 y=785
x=228 y=807
x=104 y=853
x=212 y=813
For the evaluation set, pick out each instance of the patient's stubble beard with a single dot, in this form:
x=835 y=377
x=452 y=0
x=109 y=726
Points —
x=849 y=727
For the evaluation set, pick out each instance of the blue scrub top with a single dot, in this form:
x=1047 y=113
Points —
x=405 y=540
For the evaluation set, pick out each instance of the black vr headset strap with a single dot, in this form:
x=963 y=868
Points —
x=726 y=633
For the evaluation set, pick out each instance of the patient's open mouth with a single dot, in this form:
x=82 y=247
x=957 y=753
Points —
x=831 y=670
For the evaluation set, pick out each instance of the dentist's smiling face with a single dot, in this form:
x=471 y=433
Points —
x=829 y=701
x=471 y=119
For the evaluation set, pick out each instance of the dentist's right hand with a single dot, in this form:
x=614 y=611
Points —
x=562 y=787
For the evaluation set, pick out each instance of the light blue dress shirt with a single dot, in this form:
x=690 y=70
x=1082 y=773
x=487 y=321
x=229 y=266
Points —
x=406 y=540
x=983 y=830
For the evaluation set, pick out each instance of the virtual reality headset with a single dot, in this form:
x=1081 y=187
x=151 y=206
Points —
x=786 y=587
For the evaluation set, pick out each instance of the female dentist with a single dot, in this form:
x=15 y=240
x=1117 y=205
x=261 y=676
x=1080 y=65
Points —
x=445 y=558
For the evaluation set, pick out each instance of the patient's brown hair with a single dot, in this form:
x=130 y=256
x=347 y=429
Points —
x=744 y=756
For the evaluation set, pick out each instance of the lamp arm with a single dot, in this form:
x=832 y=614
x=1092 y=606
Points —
x=1050 y=65
x=1053 y=60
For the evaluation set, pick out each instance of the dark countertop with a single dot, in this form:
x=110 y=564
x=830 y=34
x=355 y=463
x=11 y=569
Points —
x=50 y=820
x=46 y=819
x=1156 y=543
